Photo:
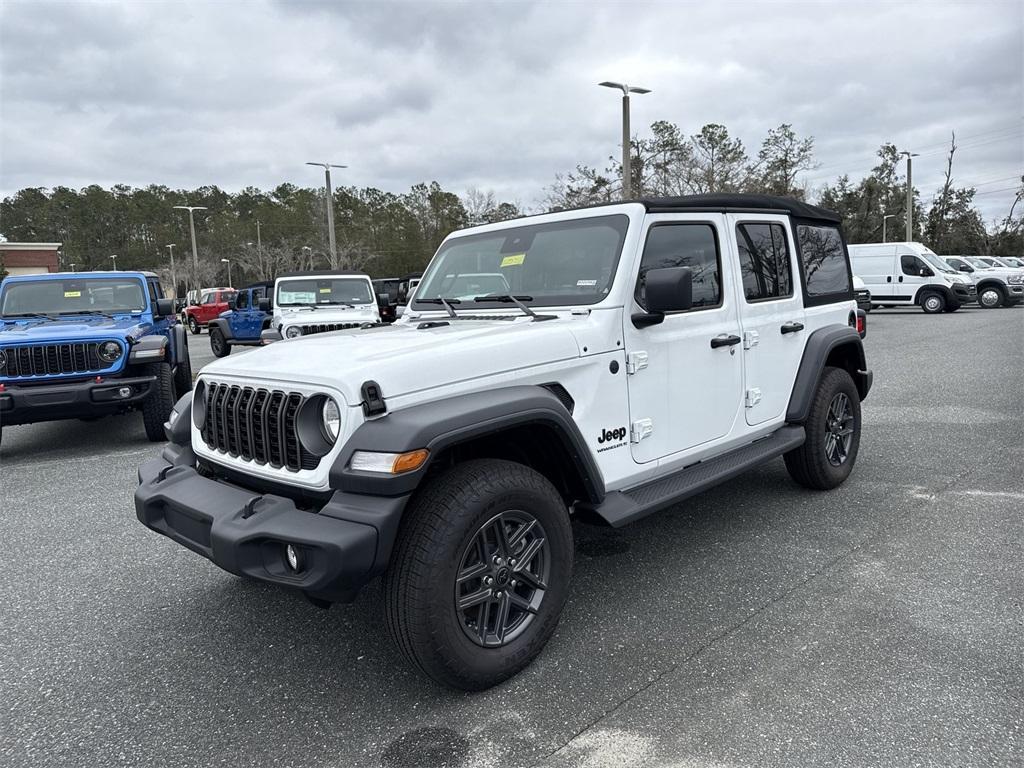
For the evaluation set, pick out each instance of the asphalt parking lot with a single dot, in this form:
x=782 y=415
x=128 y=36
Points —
x=758 y=624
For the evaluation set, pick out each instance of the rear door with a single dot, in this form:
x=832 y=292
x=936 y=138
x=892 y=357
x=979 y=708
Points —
x=875 y=265
x=771 y=313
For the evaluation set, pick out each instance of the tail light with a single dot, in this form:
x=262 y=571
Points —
x=859 y=321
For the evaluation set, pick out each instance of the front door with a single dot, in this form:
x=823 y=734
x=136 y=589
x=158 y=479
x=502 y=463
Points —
x=685 y=373
x=772 y=316
x=914 y=273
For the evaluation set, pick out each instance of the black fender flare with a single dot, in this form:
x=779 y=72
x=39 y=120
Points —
x=180 y=343
x=222 y=325
x=441 y=424
x=820 y=345
x=149 y=349
x=993 y=282
x=945 y=290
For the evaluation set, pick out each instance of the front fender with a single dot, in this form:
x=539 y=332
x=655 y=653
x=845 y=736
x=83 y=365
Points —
x=222 y=324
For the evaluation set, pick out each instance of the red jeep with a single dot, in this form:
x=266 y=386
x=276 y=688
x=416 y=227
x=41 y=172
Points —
x=212 y=302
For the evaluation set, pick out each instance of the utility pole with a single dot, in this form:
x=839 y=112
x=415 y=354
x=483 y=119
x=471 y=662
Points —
x=627 y=154
x=174 y=275
x=910 y=197
x=228 y=262
x=113 y=258
x=330 y=210
x=885 y=219
x=192 y=228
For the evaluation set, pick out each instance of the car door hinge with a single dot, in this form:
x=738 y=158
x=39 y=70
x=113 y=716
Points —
x=638 y=430
x=751 y=339
x=636 y=361
x=753 y=397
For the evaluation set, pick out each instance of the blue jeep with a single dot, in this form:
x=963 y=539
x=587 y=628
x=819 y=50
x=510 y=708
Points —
x=242 y=325
x=79 y=345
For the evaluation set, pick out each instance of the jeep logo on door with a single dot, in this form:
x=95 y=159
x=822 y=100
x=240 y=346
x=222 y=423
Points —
x=612 y=435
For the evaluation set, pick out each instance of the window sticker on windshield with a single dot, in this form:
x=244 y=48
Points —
x=325 y=290
x=72 y=294
x=586 y=283
x=513 y=260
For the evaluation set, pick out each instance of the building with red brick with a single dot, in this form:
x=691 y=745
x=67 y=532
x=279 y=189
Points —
x=29 y=258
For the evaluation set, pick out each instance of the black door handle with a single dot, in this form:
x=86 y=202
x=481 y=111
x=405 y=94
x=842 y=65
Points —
x=792 y=327
x=901 y=278
x=724 y=340
x=888 y=278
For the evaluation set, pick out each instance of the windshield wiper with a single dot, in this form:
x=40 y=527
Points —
x=508 y=298
x=43 y=315
x=91 y=312
x=446 y=303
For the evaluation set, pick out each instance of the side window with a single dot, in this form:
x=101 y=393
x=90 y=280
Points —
x=764 y=261
x=911 y=265
x=684 y=245
x=209 y=298
x=242 y=300
x=823 y=261
x=154 y=293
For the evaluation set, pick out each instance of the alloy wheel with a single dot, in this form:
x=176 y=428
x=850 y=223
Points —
x=502 y=578
x=838 y=430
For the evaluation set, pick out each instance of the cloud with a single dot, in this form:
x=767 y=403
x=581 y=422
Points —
x=499 y=96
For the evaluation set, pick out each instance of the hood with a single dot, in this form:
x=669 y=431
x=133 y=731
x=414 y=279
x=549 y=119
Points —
x=72 y=329
x=404 y=358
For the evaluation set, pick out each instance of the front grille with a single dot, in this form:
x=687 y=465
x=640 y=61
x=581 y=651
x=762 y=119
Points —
x=256 y=424
x=52 y=359
x=324 y=327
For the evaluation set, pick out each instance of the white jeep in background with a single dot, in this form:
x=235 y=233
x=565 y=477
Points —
x=306 y=303
x=618 y=360
x=997 y=286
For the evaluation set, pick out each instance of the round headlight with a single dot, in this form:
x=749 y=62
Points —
x=294 y=332
x=109 y=351
x=331 y=418
x=3 y=359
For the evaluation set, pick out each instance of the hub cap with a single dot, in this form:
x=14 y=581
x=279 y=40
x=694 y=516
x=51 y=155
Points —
x=502 y=578
x=838 y=430
x=932 y=303
x=989 y=298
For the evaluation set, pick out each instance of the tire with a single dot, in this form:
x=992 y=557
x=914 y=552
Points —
x=193 y=325
x=218 y=345
x=933 y=303
x=157 y=407
x=1007 y=303
x=813 y=464
x=449 y=529
x=952 y=307
x=991 y=297
x=183 y=373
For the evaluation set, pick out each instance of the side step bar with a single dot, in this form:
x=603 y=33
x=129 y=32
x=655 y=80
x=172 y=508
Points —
x=622 y=507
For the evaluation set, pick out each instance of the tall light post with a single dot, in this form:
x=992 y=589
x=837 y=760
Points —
x=910 y=198
x=627 y=169
x=192 y=228
x=113 y=258
x=308 y=252
x=228 y=262
x=174 y=277
x=330 y=210
x=885 y=219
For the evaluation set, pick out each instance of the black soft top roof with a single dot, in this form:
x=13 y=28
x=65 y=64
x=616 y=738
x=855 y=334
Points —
x=722 y=202
x=266 y=284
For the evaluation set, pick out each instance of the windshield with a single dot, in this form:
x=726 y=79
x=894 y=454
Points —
x=73 y=296
x=979 y=264
x=937 y=263
x=1013 y=262
x=315 y=291
x=560 y=263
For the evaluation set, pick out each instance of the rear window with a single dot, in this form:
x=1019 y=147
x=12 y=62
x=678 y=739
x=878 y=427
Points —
x=823 y=261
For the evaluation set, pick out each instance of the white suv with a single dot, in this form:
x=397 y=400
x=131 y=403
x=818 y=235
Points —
x=314 y=302
x=629 y=357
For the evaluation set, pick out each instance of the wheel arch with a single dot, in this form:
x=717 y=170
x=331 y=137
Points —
x=834 y=345
x=222 y=325
x=944 y=290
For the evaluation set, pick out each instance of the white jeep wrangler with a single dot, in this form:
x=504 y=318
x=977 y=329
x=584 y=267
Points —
x=644 y=352
x=316 y=302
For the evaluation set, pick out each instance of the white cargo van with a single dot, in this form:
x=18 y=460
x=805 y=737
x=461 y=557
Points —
x=910 y=274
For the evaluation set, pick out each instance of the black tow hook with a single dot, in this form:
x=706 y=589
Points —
x=250 y=507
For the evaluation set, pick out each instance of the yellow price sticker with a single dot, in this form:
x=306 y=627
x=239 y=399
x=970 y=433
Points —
x=325 y=290
x=72 y=294
x=514 y=260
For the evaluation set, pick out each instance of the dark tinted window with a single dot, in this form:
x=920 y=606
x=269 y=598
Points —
x=242 y=300
x=823 y=260
x=764 y=261
x=911 y=265
x=684 y=245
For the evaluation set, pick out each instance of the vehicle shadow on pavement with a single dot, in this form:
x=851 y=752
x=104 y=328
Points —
x=74 y=438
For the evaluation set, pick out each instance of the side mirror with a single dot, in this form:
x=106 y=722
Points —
x=269 y=336
x=669 y=289
x=965 y=268
x=383 y=300
x=164 y=307
x=925 y=272
x=263 y=305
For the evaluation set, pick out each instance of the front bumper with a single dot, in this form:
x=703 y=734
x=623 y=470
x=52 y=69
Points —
x=863 y=300
x=1015 y=292
x=965 y=294
x=74 y=400
x=343 y=545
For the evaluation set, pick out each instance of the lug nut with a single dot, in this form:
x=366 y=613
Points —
x=512 y=563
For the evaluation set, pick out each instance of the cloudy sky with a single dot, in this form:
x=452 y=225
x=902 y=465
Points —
x=500 y=96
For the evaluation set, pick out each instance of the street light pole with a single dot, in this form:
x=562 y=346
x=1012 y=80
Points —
x=627 y=155
x=910 y=198
x=885 y=219
x=228 y=262
x=174 y=276
x=113 y=258
x=192 y=229
x=330 y=210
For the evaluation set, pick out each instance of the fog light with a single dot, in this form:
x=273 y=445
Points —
x=293 y=557
x=124 y=392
